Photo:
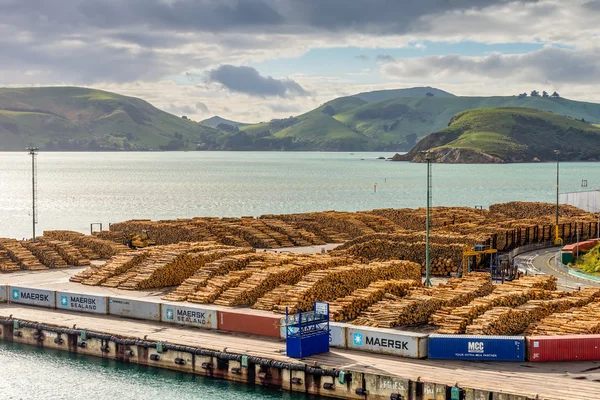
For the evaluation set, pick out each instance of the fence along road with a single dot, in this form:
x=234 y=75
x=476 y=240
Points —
x=528 y=379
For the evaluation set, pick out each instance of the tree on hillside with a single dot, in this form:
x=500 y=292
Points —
x=522 y=95
x=328 y=110
x=429 y=94
x=545 y=94
x=535 y=93
x=555 y=95
x=227 y=128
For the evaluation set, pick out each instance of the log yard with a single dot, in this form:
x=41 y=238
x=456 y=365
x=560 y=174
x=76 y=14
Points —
x=351 y=305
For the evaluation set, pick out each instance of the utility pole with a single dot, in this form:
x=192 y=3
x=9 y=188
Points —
x=428 y=221
x=557 y=240
x=33 y=153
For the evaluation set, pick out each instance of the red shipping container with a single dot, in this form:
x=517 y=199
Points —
x=249 y=323
x=564 y=348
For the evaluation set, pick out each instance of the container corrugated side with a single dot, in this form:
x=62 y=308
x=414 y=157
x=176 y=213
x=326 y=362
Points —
x=238 y=321
x=387 y=341
x=31 y=296
x=173 y=313
x=137 y=309
x=476 y=348
x=3 y=293
x=82 y=302
x=563 y=348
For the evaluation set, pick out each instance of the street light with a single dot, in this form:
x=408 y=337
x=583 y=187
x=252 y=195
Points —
x=427 y=220
x=33 y=153
x=557 y=240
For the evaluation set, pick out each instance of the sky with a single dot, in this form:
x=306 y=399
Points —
x=254 y=60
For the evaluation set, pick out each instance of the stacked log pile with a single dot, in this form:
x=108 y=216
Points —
x=103 y=248
x=218 y=284
x=452 y=320
x=297 y=235
x=445 y=258
x=581 y=318
x=172 y=266
x=20 y=255
x=113 y=236
x=259 y=283
x=280 y=239
x=6 y=264
x=46 y=254
x=511 y=321
x=116 y=265
x=376 y=222
x=333 y=283
x=201 y=277
x=273 y=298
x=524 y=210
x=419 y=304
x=71 y=254
x=349 y=307
x=167 y=232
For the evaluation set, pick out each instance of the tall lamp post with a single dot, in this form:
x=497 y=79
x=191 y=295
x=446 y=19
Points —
x=557 y=239
x=33 y=153
x=427 y=221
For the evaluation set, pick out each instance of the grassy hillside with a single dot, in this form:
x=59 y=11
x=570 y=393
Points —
x=71 y=118
x=513 y=135
x=398 y=124
x=325 y=133
x=383 y=95
x=216 y=120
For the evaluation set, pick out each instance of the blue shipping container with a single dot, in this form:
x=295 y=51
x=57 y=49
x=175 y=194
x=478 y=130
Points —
x=477 y=348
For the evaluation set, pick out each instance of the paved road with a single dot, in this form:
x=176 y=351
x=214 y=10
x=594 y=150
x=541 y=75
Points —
x=543 y=262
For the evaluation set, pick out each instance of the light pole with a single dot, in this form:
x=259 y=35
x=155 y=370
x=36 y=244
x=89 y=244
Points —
x=427 y=220
x=33 y=153
x=557 y=240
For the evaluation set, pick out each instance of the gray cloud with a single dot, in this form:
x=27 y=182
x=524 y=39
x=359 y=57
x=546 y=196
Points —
x=202 y=107
x=285 y=108
x=384 y=58
x=362 y=57
x=124 y=41
x=180 y=110
x=248 y=80
x=551 y=64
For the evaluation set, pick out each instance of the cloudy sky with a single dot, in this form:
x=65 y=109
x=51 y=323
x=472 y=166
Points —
x=253 y=60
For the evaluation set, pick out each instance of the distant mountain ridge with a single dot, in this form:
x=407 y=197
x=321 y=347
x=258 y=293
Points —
x=213 y=122
x=74 y=118
x=382 y=95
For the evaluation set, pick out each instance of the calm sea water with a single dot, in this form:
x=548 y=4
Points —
x=29 y=373
x=76 y=189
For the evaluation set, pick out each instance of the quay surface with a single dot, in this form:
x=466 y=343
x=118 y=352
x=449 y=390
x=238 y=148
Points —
x=380 y=376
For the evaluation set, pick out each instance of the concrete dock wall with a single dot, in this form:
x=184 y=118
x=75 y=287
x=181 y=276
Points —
x=346 y=384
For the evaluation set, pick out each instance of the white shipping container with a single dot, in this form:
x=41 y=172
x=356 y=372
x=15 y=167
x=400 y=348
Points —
x=337 y=334
x=82 y=302
x=34 y=297
x=137 y=309
x=190 y=316
x=387 y=341
x=3 y=293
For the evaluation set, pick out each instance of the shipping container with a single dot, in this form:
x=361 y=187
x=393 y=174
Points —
x=252 y=324
x=477 y=348
x=3 y=293
x=564 y=348
x=131 y=308
x=387 y=341
x=337 y=334
x=34 y=297
x=173 y=313
x=82 y=302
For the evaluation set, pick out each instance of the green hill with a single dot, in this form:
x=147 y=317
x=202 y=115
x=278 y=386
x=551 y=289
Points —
x=382 y=95
x=510 y=134
x=216 y=120
x=398 y=124
x=71 y=118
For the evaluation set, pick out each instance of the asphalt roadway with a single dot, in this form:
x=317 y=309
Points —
x=543 y=262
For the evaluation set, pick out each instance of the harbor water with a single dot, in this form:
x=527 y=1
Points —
x=28 y=373
x=76 y=189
